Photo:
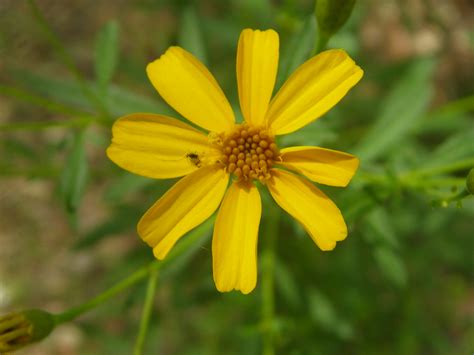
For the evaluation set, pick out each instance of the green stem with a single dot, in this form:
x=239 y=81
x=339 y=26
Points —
x=268 y=280
x=457 y=197
x=444 y=182
x=459 y=165
x=379 y=179
x=146 y=314
x=137 y=276
x=65 y=57
x=131 y=280
x=321 y=42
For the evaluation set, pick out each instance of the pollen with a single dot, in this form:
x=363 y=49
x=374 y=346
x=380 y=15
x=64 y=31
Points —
x=249 y=153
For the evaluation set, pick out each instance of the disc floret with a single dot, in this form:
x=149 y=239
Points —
x=249 y=153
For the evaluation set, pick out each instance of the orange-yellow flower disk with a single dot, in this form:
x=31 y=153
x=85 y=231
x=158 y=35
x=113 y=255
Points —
x=161 y=147
x=249 y=153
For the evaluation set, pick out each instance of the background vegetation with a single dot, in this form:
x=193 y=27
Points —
x=400 y=284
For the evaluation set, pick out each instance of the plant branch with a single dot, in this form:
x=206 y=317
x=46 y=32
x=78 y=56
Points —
x=268 y=280
x=147 y=311
x=179 y=249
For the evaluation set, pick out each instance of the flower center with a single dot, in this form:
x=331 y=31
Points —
x=249 y=152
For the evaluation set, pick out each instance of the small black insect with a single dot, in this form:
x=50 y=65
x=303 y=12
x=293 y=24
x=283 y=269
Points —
x=194 y=158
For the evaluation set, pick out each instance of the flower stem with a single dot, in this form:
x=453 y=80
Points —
x=137 y=276
x=321 y=42
x=438 y=182
x=181 y=248
x=268 y=278
x=459 y=165
x=147 y=310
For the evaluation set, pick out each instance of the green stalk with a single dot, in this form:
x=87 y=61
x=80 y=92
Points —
x=268 y=281
x=441 y=182
x=459 y=165
x=321 y=42
x=129 y=281
x=137 y=276
x=146 y=314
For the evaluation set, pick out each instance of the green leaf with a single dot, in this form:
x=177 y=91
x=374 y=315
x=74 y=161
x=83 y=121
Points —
x=457 y=147
x=120 y=101
x=323 y=312
x=404 y=106
x=391 y=265
x=75 y=173
x=314 y=134
x=124 y=185
x=106 y=53
x=298 y=50
x=380 y=228
x=18 y=149
x=199 y=236
x=190 y=36
x=452 y=116
x=287 y=285
x=254 y=11
x=122 y=219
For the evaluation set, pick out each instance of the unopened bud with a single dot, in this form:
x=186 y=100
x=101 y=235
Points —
x=332 y=15
x=470 y=182
x=23 y=328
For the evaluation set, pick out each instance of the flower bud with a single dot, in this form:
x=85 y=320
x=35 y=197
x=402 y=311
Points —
x=331 y=15
x=470 y=182
x=23 y=328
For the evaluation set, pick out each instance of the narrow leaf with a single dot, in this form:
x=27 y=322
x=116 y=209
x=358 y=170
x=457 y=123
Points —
x=379 y=228
x=106 y=53
x=455 y=148
x=298 y=50
x=402 y=109
x=120 y=100
x=190 y=36
x=75 y=173
x=287 y=286
x=323 y=312
x=391 y=265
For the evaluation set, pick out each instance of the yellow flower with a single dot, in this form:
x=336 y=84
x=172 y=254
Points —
x=161 y=147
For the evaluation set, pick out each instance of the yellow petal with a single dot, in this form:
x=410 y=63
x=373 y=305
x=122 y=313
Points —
x=257 y=65
x=234 y=243
x=187 y=204
x=186 y=85
x=312 y=90
x=319 y=216
x=326 y=166
x=158 y=146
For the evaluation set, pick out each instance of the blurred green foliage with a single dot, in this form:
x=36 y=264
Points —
x=402 y=281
